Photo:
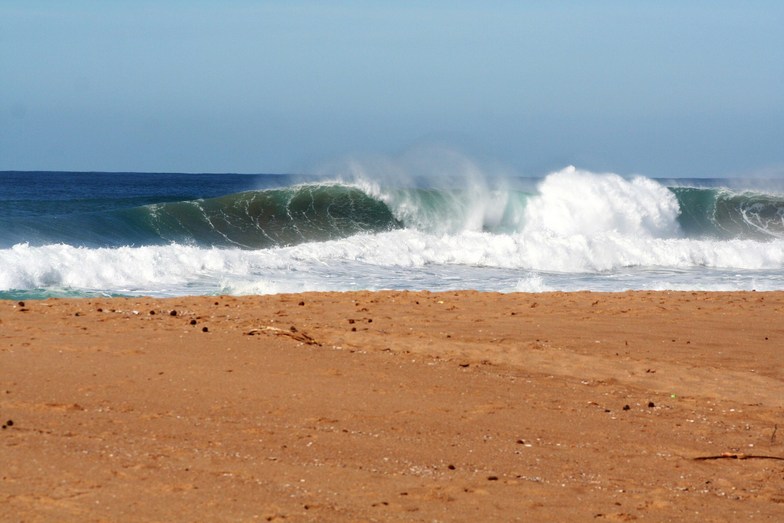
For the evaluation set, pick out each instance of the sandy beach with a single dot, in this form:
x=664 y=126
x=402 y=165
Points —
x=394 y=406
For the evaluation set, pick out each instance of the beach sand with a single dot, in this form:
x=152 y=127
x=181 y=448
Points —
x=394 y=406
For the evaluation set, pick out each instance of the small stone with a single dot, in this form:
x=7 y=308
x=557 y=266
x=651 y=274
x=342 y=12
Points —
x=626 y=407
x=193 y=322
x=205 y=329
x=173 y=313
x=651 y=404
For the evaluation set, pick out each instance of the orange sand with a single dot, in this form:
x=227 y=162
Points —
x=394 y=406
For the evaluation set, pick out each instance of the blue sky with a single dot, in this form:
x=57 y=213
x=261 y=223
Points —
x=661 y=88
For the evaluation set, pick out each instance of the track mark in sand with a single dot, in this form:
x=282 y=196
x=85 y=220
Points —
x=292 y=332
x=737 y=455
x=62 y=406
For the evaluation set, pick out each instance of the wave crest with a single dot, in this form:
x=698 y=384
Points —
x=573 y=202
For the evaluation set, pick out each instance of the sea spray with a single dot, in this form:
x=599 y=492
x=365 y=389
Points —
x=437 y=190
x=575 y=202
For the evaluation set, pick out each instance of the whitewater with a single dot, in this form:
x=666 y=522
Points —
x=170 y=235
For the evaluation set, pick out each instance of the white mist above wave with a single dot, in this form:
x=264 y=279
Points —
x=580 y=230
x=459 y=194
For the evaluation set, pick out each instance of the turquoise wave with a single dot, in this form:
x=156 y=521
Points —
x=277 y=217
x=725 y=214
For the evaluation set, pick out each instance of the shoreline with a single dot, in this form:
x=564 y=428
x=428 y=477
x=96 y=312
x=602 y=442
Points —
x=394 y=405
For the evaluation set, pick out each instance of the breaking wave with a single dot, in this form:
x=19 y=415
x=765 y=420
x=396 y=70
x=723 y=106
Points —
x=341 y=234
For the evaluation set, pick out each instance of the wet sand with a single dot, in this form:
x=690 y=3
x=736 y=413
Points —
x=394 y=406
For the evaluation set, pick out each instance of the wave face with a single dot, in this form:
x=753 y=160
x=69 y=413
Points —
x=570 y=230
x=271 y=218
x=721 y=213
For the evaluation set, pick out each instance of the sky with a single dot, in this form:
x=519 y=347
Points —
x=659 y=88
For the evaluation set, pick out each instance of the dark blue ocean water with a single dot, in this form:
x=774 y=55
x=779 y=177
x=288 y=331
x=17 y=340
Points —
x=42 y=206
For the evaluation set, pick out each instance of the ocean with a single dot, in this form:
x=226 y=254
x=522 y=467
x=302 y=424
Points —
x=70 y=234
